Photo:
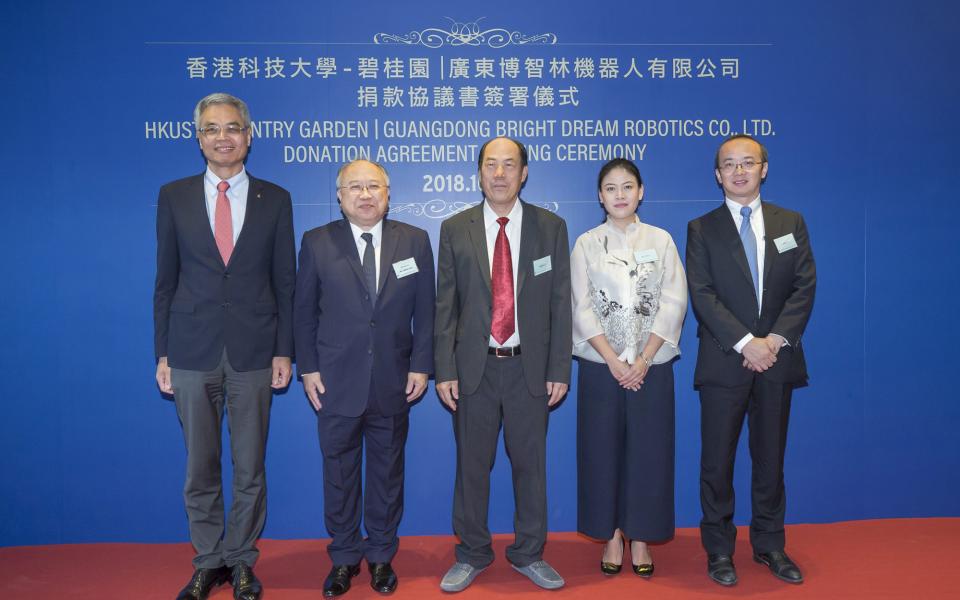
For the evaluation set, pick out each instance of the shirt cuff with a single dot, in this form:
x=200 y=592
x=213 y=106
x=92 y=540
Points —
x=743 y=342
x=783 y=339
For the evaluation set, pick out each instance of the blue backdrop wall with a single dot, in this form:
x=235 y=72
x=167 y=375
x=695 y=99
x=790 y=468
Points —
x=856 y=103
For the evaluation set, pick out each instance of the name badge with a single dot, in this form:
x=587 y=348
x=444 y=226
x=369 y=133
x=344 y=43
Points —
x=645 y=256
x=785 y=242
x=405 y=267
x=542 y=265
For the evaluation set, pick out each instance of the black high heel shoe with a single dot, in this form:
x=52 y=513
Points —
x=609 y=568
x=645 y=570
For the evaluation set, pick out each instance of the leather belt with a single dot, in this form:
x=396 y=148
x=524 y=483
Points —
x=504 y=352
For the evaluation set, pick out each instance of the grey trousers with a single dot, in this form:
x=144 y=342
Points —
x=200 y=397
x=502 y=397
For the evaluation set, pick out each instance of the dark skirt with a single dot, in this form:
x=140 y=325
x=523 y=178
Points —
x=625 y=454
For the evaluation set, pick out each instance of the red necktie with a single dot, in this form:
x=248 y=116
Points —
x=501 y=280
x=223 y=223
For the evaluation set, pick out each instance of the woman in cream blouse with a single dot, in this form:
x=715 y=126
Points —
x=629 y=300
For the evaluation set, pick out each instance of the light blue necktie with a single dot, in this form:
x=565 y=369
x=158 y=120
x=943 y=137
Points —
x=750 y=247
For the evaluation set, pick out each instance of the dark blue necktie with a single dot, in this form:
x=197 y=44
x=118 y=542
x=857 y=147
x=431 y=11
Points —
x=750 y=247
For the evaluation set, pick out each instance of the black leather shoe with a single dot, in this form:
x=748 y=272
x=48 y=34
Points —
x=246 y=586
x=781 y=566
x=382 y=578
x=720 y=569
x=202 y=582
x=338 y=581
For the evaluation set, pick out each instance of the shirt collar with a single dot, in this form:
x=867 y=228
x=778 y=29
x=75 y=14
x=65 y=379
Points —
x=376 y=231
x=735 y=207
x=490 y=217
x=630 y=228
x=212 y=179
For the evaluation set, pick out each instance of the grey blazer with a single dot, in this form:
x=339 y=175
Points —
x=464 y=305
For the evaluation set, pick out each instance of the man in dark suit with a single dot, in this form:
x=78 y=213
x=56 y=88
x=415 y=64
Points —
x=364 y=333
x=223 y=326
x=503 y=286
x=752 y=281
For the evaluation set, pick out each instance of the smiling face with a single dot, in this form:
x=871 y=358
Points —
x=224 y=151
x=620 y=194
x=363 y=193
x=501 y=174
x=741 y=170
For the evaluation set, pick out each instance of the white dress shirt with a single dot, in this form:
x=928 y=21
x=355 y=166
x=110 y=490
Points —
x=492 y=228
x=756 y=224
x=377 y=232
x=236 y=195
x=759 y=233
x=621 y=291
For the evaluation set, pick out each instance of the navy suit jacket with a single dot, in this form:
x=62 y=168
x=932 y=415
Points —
x=201 y=305
x=358 y=347
x=721 y=291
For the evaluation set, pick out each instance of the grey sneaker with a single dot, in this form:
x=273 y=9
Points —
x=542 y=574
x=459 y=577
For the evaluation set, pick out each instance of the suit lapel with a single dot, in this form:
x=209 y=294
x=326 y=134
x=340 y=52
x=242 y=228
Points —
x=197 y=209
x=252 y=216
x=529 y=241
x=727 y=229
x=389 y=238
x=478 y=236
x=772 y=229
x=348 y=248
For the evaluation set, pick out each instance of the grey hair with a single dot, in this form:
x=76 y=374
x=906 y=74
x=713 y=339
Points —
x=380 y=167
x=221 y=98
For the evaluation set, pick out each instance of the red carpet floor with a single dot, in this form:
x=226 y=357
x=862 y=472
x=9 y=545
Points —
x=897 y=558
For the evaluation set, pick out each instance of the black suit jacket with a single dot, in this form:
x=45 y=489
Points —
x=721 y=291
x=201 y=305
x=464 y=300
x=362 y=349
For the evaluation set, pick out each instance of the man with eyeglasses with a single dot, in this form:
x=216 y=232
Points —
x=502 y=351
x=223 y=330
x=363 y=323
x=752 y=281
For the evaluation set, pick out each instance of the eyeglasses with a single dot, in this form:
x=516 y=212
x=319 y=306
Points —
x=355 y=189
x=212 y=131
x=747 y=164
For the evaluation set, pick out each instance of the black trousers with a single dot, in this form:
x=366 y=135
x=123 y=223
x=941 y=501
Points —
x=342 y=442
x=767 y=407
x=502 y=398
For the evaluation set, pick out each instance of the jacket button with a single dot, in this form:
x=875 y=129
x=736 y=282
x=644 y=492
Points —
x=225 y=305
x=373 y=323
